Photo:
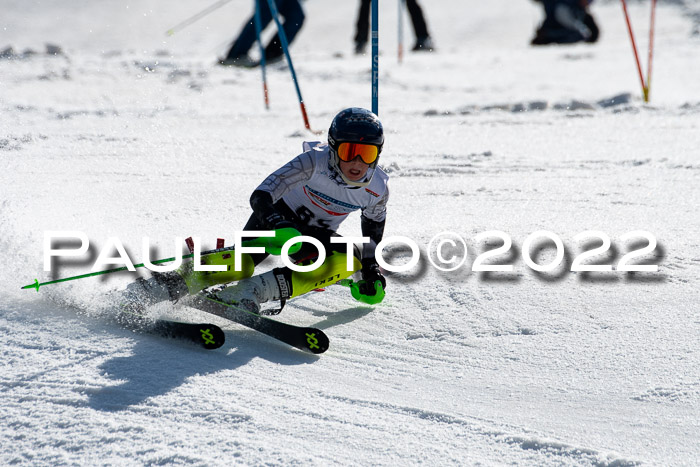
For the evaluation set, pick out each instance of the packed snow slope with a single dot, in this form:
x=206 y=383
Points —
x=129 y=133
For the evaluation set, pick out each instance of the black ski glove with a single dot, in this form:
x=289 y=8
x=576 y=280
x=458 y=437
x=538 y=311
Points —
x=264 y=209
x=275 y=220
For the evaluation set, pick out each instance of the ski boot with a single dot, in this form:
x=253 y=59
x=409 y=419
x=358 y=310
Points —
x=283 y=283
x=250 y=293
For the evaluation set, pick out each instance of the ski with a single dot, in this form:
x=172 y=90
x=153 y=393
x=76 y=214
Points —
x=303 y=338
x=209 y=336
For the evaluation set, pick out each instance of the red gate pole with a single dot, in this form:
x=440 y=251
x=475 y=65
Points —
x=634 y=49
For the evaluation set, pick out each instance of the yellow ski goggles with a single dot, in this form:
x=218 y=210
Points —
x=349 y=151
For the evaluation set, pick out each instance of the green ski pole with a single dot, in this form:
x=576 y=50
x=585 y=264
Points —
x=272 y=245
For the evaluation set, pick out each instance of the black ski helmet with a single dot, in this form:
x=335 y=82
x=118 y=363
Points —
x=355 y=125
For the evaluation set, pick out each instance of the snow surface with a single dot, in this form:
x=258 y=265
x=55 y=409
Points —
x=130 y=133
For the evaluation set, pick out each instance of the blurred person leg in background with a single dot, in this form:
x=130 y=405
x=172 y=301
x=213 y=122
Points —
x=424 y=43
x=362 y=27
x=566 y=22
x=293 y=16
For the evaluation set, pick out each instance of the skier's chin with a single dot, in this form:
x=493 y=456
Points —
x=354 y=175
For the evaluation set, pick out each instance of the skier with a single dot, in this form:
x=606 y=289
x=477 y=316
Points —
x=313 y=193
x=293 y=20
x=424 y=43
x=566 y=22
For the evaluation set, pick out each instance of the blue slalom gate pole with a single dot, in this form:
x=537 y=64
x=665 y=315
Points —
x=400 y=27
x=258 y=32
x=375 y=57
x=285 y=48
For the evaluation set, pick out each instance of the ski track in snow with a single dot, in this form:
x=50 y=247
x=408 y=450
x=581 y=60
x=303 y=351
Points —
x=128 y=134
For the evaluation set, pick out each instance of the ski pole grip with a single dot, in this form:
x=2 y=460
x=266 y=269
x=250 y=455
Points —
x=373 y=299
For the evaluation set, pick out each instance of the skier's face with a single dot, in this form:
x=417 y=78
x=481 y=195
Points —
x=354 y=170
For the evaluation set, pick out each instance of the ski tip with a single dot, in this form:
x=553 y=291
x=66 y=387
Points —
x=316 y=341
x=211 y=336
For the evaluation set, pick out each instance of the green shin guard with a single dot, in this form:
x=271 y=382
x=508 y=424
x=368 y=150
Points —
x=333 y=269
x=199 y=280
